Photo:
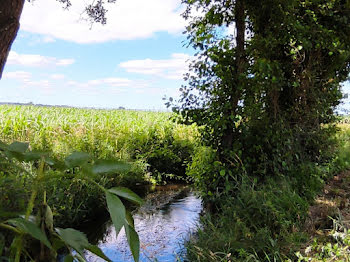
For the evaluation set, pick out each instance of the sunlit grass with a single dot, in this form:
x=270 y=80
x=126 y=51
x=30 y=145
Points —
x=104 y=133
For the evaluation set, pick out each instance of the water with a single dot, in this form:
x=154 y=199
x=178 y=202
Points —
x=168 y=218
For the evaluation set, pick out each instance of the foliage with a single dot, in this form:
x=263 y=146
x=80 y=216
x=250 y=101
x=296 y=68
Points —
x=266 y=94
x=342 y=158
x=41 y=227
x=205 y=169
x=259 y=224
x=265 y=221
x=265 y=83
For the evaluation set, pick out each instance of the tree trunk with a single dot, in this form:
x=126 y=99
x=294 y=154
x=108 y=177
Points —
x=10 y=12
x=236 y=93
x=240 y=38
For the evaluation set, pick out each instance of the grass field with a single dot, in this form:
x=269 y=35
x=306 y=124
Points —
x=120 y=134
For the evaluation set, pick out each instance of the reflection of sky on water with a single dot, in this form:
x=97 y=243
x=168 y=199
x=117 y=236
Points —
x=162 y=233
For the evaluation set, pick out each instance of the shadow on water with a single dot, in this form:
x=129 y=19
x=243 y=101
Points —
x=167 y=219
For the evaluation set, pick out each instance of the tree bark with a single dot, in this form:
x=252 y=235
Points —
x=10 y=13
x=236 y=93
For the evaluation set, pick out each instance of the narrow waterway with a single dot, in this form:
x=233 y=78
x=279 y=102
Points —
x=167 y=219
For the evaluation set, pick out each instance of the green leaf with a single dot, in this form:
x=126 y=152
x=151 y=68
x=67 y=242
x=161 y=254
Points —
x=74 y=239
x=77 y=159
x=30 y=228
x=68 y=258
x=49 y=161
x=133 y=240
x=132 y=236
x=57 y=243
x=116 y=210
x=129 y=218
x=18 y=147
x=49 y=218
x=78 y=241
x=34 y=155
x=110 y=167
x=97 y=251
x=127 y=194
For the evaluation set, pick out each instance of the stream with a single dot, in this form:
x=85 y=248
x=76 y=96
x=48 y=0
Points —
x=167 y=219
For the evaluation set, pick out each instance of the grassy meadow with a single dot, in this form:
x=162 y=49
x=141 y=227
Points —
x=158 y=147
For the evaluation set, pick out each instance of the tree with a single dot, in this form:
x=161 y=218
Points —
x=266 y=95
x=10 y=13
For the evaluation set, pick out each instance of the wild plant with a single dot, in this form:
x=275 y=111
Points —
x=34 y=230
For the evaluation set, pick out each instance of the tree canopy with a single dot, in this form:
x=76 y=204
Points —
x=266 y=93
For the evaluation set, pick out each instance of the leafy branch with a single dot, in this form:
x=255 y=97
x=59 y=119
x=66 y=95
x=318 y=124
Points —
x=41 y=227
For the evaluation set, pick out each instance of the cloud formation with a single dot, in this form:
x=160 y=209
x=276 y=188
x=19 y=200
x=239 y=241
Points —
x=36 y=60
x=173 y=68
x=126 y=20
x=112 y=81
x=57 y=76
x=22 y=76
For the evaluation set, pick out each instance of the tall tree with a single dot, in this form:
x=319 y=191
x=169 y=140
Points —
x=10 y=13
x=265 y=91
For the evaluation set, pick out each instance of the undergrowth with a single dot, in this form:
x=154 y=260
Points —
x=255 y=220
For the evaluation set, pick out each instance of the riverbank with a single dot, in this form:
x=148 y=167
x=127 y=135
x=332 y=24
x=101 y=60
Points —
x=328 y=223
x=266 y=221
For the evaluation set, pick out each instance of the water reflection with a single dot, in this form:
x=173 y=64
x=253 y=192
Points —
x=164 y=223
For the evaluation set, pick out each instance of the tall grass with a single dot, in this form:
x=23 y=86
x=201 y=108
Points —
x=120 y=134
x=105 y=133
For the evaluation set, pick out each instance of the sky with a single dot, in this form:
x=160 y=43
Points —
x=134 y=61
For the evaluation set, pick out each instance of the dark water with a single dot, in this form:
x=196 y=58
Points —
x=167 y=219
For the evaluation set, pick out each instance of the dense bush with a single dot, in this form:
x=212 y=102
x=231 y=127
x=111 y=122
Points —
x=257 y=221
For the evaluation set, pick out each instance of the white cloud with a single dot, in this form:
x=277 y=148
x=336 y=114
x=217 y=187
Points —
x=48 y=39
x=126 y=20
x=112 y=82
x=45 y=84
x=57 y=76
x=117 y=81
x=65 y=62
x=26 y=80
x=36 y=60
x=18 y=75
x=173 y=68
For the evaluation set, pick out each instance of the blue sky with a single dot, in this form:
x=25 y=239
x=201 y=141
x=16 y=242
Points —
x=134 y=61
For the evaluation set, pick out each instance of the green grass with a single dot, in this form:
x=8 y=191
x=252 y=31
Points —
x=151 y=137
x=265 y=221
